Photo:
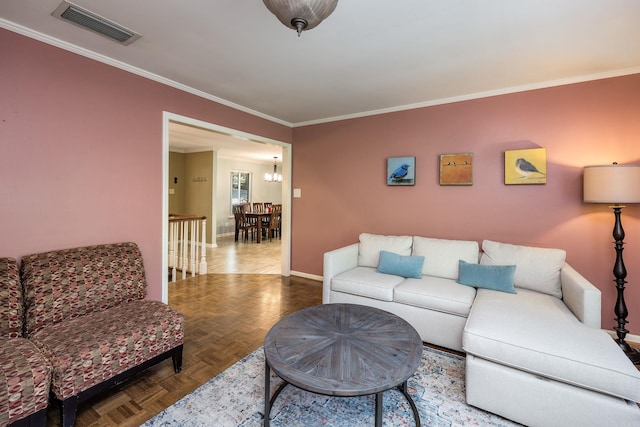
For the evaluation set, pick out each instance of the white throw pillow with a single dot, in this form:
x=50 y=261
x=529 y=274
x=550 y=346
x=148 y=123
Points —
x=371 y=245
x=441 y=257
x=537 y=269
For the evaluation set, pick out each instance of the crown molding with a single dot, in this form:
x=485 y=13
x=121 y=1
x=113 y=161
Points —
x=11 y=26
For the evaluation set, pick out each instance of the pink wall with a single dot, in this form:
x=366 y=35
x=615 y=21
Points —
x=81 y=151
x=345 y=193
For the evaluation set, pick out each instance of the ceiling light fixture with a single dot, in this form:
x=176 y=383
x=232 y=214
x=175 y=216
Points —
x=301 y=15
x=275 y=177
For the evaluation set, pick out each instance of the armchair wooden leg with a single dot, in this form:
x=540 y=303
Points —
x=177 y=359
x=69 y=410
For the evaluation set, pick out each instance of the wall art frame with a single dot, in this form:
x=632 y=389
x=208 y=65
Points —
x=401 y=171
x=456 y=169
x=523 y=167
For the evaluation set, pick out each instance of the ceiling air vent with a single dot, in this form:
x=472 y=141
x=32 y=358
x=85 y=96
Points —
x=90 y=21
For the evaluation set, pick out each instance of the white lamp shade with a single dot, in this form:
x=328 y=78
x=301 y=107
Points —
x=612 y=184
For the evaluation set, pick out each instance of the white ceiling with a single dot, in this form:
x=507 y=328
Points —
x=368 y=56
x=188 y=139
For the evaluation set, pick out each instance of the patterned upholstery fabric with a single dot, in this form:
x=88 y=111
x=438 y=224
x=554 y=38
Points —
x=25 y=376
x=66 y=284
x=86 y=312
x=89 y=350
x=11 y=303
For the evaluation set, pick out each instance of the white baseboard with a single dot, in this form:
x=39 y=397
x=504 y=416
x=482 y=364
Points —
x=306 y=275
x=634 y=339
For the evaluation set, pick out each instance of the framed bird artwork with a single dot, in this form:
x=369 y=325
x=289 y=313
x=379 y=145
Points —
x=401 y=171
x=525 y=166
x=456 y=169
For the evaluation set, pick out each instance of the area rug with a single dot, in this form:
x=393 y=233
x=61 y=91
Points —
x=236 y=398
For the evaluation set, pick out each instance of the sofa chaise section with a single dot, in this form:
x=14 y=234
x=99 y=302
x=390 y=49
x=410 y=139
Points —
x=532 y=359
x=86 y=311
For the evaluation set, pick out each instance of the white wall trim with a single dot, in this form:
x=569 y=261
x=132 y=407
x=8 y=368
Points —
x=306 y=275
x=286 y=189
x=11 y=26
x=635 y=339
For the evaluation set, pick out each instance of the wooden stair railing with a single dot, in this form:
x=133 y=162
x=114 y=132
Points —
x=187 y=245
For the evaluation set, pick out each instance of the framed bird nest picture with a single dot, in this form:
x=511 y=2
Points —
x=401 y=171
x=525 y=166
x=456 y=169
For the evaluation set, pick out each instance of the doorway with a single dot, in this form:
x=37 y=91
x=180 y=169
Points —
x=243 y=137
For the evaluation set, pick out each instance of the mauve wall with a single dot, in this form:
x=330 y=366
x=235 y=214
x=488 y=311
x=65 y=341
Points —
x=81 y=151
x=341 y=168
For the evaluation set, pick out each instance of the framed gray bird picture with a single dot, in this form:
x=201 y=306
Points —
x=401 y=171
x=525 y=166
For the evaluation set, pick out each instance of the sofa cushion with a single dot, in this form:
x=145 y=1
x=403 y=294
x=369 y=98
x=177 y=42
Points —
x=536 y=333
x=93 y=348
x=366 y=282
x=537 y=269
x=436 y=293
x=441 y=256
x=495 y=277
x=371 y=245
x=399 y=265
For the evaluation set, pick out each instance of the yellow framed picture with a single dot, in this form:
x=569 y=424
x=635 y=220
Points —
x=456 y=169
x=525 y=166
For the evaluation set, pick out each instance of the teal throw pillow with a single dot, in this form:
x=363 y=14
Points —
x=399 y=265
x=495 y=277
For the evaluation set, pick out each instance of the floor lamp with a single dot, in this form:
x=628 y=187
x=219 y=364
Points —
x=616 y=184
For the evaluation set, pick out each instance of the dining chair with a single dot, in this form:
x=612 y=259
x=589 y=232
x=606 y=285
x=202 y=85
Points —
x=275 y=223
x=242 y=222
x=258 y=207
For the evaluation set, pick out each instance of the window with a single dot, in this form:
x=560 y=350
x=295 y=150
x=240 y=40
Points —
x=240 y=186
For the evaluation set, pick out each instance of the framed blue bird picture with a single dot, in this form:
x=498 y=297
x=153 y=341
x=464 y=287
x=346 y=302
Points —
x=401 y=171
x=525 y=166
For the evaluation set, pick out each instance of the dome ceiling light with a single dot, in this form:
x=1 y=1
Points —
x=301 y=15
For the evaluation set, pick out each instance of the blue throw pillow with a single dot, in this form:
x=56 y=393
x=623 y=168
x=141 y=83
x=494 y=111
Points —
x=496 y=277
x=399 y=265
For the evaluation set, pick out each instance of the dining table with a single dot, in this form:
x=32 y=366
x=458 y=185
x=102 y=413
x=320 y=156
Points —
x=258 y=218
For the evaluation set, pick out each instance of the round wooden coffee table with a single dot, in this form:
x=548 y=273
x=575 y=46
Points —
x=342 y=350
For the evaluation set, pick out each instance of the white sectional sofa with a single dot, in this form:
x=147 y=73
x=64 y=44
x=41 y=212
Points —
x=527 y=321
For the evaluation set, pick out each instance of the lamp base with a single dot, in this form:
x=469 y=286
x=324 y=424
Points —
x=632 y=353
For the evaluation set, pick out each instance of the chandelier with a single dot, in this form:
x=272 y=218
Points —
x=301 y=15
x=275 y=176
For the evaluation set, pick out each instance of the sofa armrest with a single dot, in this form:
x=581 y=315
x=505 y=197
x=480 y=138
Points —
x=582 y=298
x=336 y=262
